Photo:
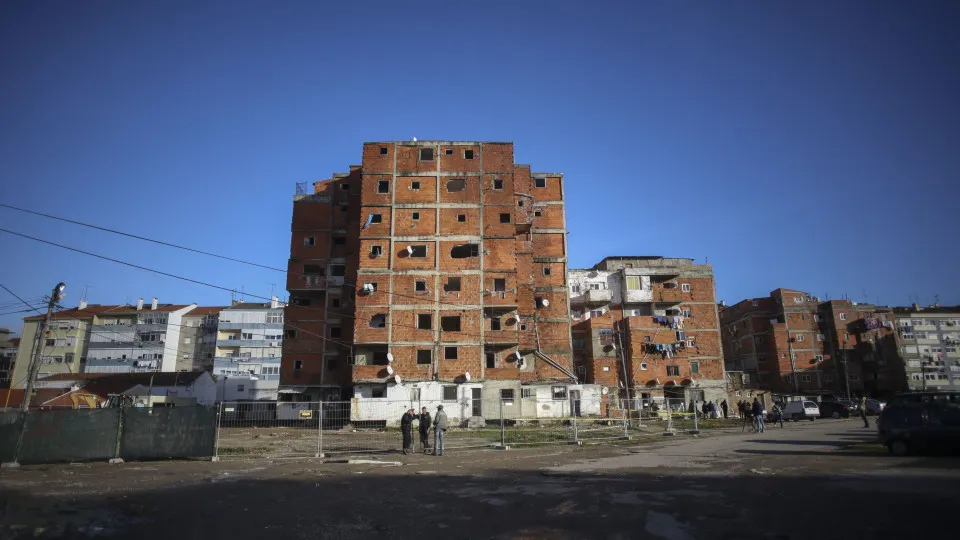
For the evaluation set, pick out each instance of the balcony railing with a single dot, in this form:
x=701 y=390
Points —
x=597 y=296
x=669 y=296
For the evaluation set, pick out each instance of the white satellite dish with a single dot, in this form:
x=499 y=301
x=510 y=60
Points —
x=389 y=370
x=397 y=378
x=466 y=376
x=518 y=355
x=390 y=357
x=409 y=250
x=545 y=302
x=605 y=391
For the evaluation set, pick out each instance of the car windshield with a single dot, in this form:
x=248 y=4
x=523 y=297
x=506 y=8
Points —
x=809 y=404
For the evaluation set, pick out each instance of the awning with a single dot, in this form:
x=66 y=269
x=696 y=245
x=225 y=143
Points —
x=686 y=382
x=653 y=382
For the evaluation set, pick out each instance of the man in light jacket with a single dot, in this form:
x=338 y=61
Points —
x=439 y=426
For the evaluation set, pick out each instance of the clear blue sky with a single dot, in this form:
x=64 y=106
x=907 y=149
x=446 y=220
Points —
x=810 y=145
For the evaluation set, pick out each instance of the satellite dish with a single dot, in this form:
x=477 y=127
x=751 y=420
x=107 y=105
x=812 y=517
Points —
x=409 y=250
x=545 y=302
x=397 y=378
x=389 y=370
x=466 y=376
x=390 y=357
x=605 y=391
x=518 y=355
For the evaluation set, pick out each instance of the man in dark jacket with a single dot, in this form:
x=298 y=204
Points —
x=723 y=407
x=425 y=430
x=757 y=412
x=406 y=428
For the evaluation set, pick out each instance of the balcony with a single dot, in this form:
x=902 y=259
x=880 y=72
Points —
x=597 y=296
x=635 y=296
x=668 y=296
x=312 y=283
x=247 y=343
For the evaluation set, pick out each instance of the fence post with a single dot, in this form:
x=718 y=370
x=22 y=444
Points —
x=320 y=430
x=623 y=413
x=668 y=429
x=503 y=422
x=116 y=453
x=16 y=450
x=216 y=438
x=573 y=414
x=696 y=423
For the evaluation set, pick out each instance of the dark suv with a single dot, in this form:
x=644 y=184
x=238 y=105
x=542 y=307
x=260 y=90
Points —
x=921 y=421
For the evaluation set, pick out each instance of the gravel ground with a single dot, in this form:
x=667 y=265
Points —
x=812 y=480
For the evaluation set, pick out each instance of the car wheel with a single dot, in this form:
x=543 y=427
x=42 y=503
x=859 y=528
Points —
x=898 y=447
x=836 y=415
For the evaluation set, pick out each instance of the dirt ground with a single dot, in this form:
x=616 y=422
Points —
x=818 y=480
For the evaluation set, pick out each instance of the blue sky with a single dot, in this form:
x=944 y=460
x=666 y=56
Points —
x=810 y=145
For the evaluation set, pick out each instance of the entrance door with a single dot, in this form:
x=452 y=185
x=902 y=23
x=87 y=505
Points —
x=575 y=402
x=477 y=402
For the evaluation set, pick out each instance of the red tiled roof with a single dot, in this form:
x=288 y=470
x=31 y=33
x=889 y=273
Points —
x=96 y=309
x=13 y=397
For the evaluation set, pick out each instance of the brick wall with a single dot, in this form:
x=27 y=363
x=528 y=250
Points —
x=368 y=260
x=501 y=256
x=406 y=194
x=548 y=245
x=498 y=157
x=402 y=261
x=551 y=216
x=469 y=194
x=408 y=159
x=450 y=223
x=404 y=223
x=492 y=225
x=498 y=196
x=373 y=161
x=449 y=264
x=376 y=229
x=552 y=192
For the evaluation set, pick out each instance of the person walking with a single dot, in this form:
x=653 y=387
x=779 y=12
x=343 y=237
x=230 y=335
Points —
x=425 y=422
x=863 y=410
x=406 y=428
x=723 y=407
x=778 y=414
x=439 y=426
x=757 y=411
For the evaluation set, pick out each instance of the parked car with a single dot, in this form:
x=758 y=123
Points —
x=875 y=406
x=850 y=404
x=834 y=409
x=798 y=410
x=911 y=426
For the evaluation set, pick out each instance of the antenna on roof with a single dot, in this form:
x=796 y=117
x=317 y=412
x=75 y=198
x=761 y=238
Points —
x=414 y=139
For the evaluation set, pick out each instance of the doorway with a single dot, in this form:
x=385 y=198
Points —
x=575 y=403
x=477 y=408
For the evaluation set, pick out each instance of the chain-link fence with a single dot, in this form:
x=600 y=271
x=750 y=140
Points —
x=305 y=429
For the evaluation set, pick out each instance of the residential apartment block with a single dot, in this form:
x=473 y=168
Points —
x=648 y=326
x=140 y=338
x=432 y=270
x=249 y=340
x=794 y=343
x=929 y=340
x=198 y=339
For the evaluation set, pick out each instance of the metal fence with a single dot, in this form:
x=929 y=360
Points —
x=372 y=425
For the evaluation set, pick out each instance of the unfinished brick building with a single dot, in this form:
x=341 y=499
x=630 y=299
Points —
x=647 y=326
x=792 y=343
x=434 y=270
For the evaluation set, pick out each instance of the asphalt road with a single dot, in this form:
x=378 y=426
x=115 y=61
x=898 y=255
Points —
x=817 y=480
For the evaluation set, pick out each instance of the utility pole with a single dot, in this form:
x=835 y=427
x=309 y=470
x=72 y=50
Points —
x=55 y=297
x=793 y=367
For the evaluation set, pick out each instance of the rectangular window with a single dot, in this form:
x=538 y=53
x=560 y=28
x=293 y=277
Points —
x=758 y=340
x=449 y=353
x=344 y=187
x=686 y=312
x=685 y=287
x=335 y=331
x=499 y=284
x=376 y=251
x=415 y=216
x=297 y=365
x=491 y=359
x=420 y=286
x=275 y=318
x=540 y=182
x=383 y=186
x=799 y=337
x=68 y=358
x=643 y=366
x=461 y=218
x=335 y=302
x=186 y=341
x=290 y=334
x=694 y=368
x=468 y=154
x=425 y=321
x=634 y=283
x=805 y=378
x=596 y=313
x=378 y=392
x=546 y=270
x=843 y=316
x=527 y=393
x=495 y=323
x=383 y=150
x=339 y=240
x=559 y=392
x=376 y=218
x=453 y=284
x=497 y=183
x=426 y=154
x=673 y=371
x=51 y=343
x=448 y=151
x=754 y=303
x=415 y=186
x=424 y=357
x=761 y=359
x=818 y=358
x=418 y=251
x=504 y=218
x=450 y=323
x=449 y=393
x=506 y=394
x=537 y=213
x=309 y=241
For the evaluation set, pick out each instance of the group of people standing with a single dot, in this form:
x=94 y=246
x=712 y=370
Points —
x=439 y=424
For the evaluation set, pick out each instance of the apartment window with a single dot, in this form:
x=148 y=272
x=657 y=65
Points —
x=499 y=284
x=335 y=330
x=761 y=359
x=415 y=216
x=449 y=353
x=297 y=365
x=758 y=340
x=68 y=358
x=415 y=185
x=540 y=182
x=465 y=251
x=537 y=213
x=559 y=392
x=290 y=334
x=383 y=186
x=523 y=327
x=595 y=286
x=449 y=393
x=274 y=318
x=797 y=300
x=426 y=154
x=420 y=286
x=497 y=183
x=376 y=251
x=453 y=284
x=527 y=393
x=673 y=371
x=843 y=316
x=448 y=151
x=425 y=321
x=546 y=270
x=596 y=313
x=335 y=302
x=634 y=283
x=686 y=312
x=378 y=392
x=821 y=337
x=495 y=323
x=506 y=394
x=799 y=337
x=376 y=218
x=827 y=377
x=468 y=154
x=578 y=343
x=461 y=218
x=377 y=321
x=685 y=287
x=186 y=341
x=455 y=185
x=424 y=357
x=691 y=343
x=647 y=339
x=309 y=240
x=339 y=240
x=694 y=368
x=450 y=323
x=491 y=359
x=643 y=366
x=344 y=187
x=504 y=218
x=383 y=150
x=51 y=343
x=418 y=251
x=754 y=303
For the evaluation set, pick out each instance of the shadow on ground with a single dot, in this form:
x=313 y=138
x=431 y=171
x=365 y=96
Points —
x=396 y=503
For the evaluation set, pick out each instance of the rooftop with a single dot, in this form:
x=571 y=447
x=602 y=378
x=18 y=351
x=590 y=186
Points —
x=936 y=310
x=436 y=141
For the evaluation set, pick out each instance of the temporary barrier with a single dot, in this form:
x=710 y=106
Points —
x=169 y=432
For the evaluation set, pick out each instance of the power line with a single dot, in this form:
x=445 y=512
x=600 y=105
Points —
x=206 y=284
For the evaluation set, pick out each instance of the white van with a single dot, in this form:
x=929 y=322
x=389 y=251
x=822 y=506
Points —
x=798 y=410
